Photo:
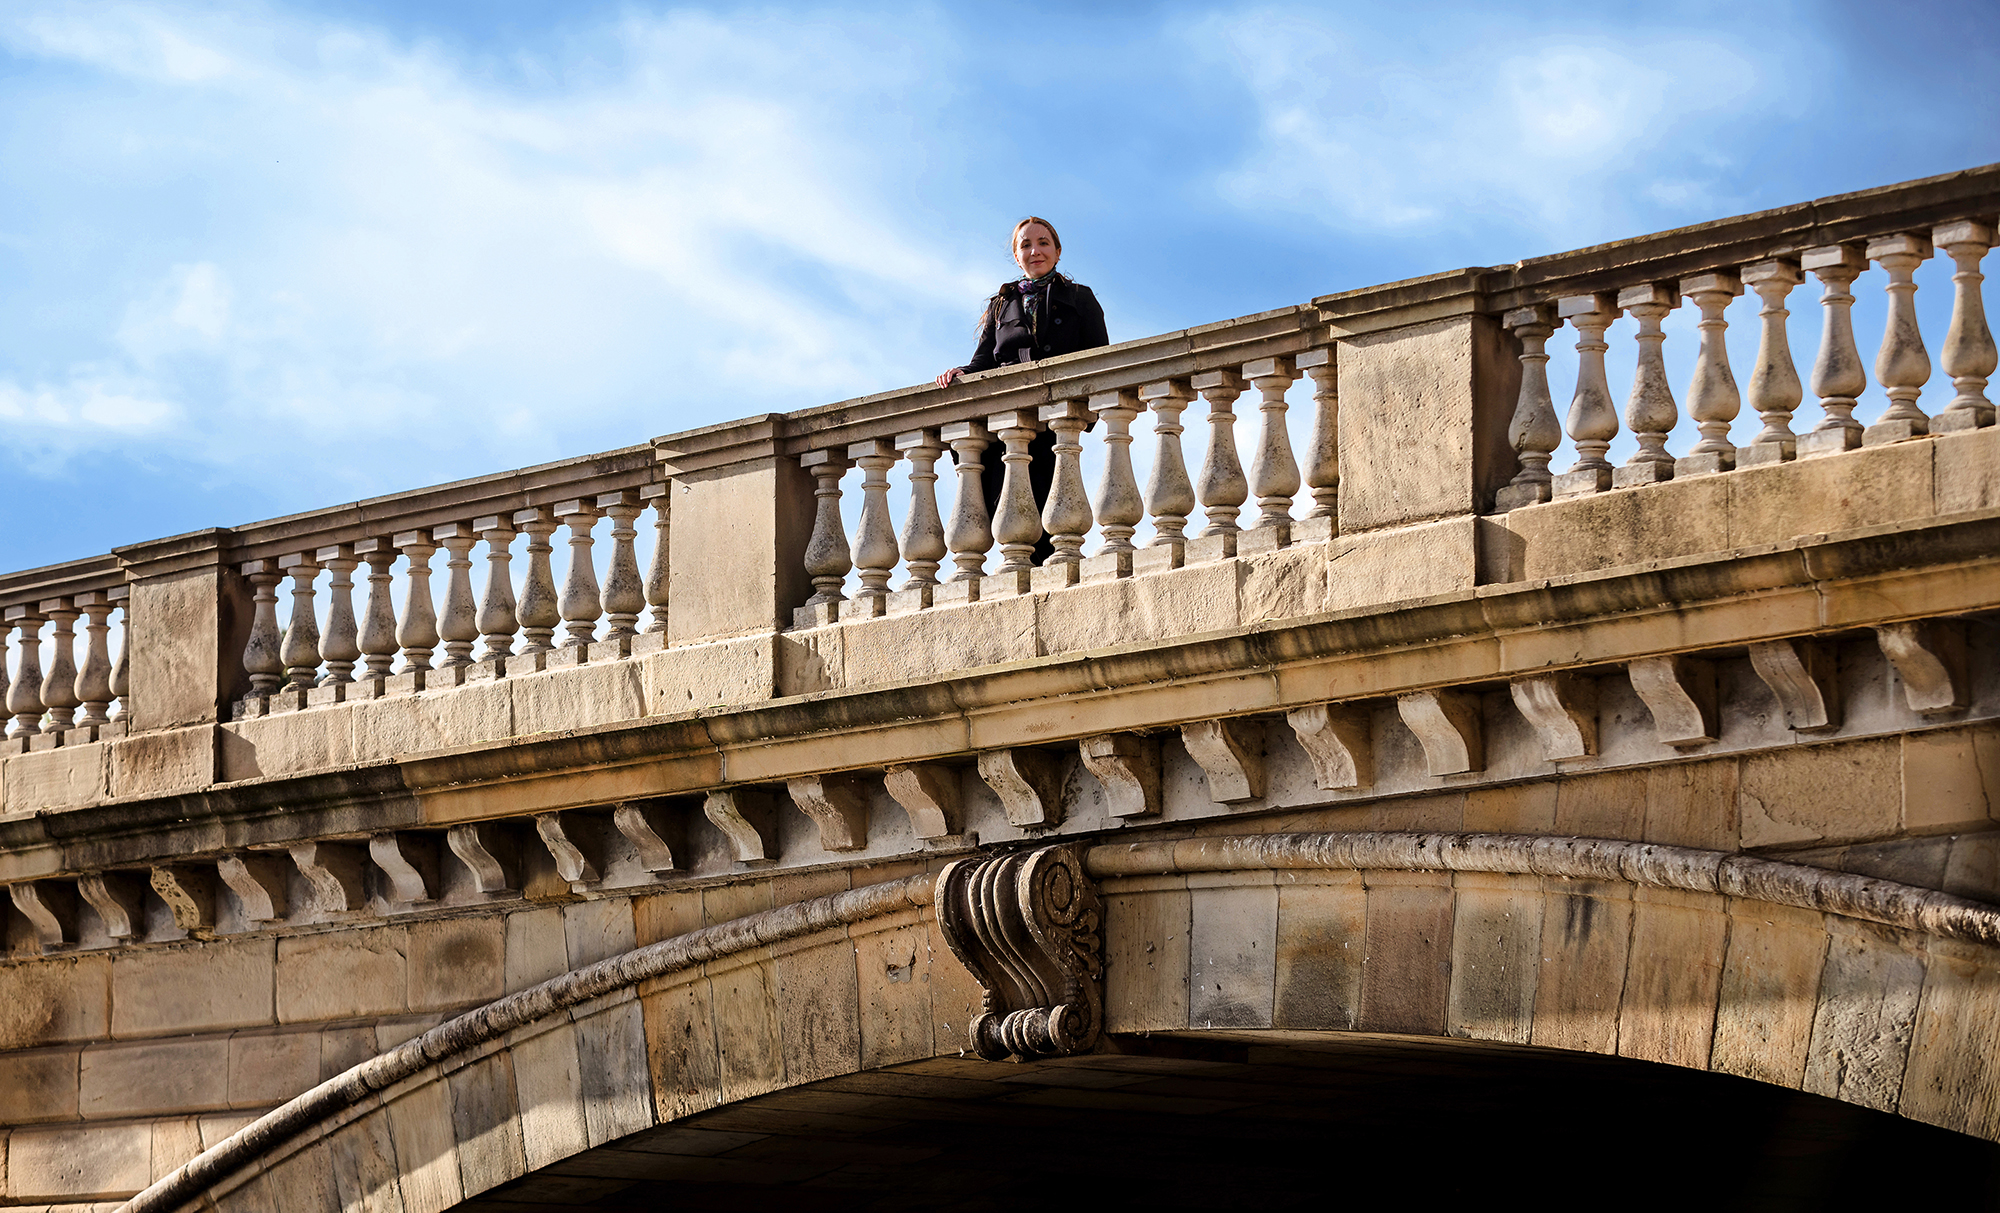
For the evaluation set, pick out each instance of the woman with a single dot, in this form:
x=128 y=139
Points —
x=1040 y=315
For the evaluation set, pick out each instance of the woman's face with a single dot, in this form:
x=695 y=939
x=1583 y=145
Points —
x=1035 y=250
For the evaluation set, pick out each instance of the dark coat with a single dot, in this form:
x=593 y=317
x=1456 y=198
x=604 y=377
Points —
x=1071 y=321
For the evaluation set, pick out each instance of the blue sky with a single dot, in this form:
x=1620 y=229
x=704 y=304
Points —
x=258 y=258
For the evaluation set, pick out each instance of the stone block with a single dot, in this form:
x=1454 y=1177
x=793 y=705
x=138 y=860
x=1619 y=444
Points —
x=1864 y=1015
x=154 y=1078
x=456 y=962
x=548 y=1089
x=811 y=661
x=1181 y=602
x=739 y=541
x=1321 y=941
x=941 y=640
x=1693 y=804
x=1770 y=988
x=598 y=930
x=749 y=1035
x=38 y=1085
x=1875 y=486
x=1602 y=804
x=956 y=996
x=304 y=1182
x=175 y=1141
x=1965 y=471
x=1232 y=950
x=223 y=984
x=186 y=635
x=1282 y=583
x=54 y=779
x=1950 y=1079
x=680 y=1048
x=537 y=948
x=282 y=745
x=1400 y=565
x=270 y=1068
x=350 y=975
x=1496 y=953
x=818 y=1007
x=55 y=1000
x=1586 y=936
x=162 y=763
x=1672 y=977
x=1943 y=785
x=486 y=1124
x=1832 y=793
x=91 y=1162
x=363 y=1160
x=1520 y=808
x=420 y=1125
x=892 y=965
x=606 y=693
x=416 y=724
x=705 y=675
x=1615 y=530
x=1406 y=973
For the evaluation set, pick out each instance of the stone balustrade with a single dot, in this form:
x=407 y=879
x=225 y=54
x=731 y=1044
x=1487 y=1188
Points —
x=66 y=683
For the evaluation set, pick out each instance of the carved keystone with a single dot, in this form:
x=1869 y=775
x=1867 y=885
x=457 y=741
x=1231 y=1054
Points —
x=409 y=862
x=1929 y=656
x=189 y=893
x=928 y=792
x=50 y=909
x=568 y=840
x=1231 y=754
x=1804 y=677
x=1680 y=693
x=333 y=869
x=747 y=817
x=258 y=882
x=1029 y=927
x=1338 y=740
x=119 y=899
x=1563 y=710
x=1129 y=768
x=1447 y=724
x=1029 y=784
x=838 y=804
x=489 y=852
x=647 y=828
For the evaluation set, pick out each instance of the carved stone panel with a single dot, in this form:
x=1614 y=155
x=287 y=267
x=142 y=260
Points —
x=1030 y=928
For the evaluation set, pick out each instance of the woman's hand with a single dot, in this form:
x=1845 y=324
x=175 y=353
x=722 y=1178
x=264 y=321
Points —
x=945 y=379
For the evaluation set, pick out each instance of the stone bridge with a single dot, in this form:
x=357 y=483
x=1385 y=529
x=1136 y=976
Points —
x=749 y=864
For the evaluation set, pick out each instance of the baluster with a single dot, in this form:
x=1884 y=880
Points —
x=300 y=650
x=1593 y=414
x=262 y=659
x=1066 y=516
x=624 y=589
x=539 y=610
x=93 y=681
x=1650 y=410
x=1274 y=474
x=970 y=535
x=1533 y=432
x=1713 y=400
x=1837 y=374
x=1322 y=469
x=418 y=634
x=581 y=603
x=875 y=552
x=6 y=686
x=1169 y=492
x=923 y=530
x=660 y=494
x=59 y=698
x=827 y=558
x=1016 y=524
x=1119 y=506
x=378 y=620
x=1902 y=365
x=121 y=670
x=458 y=626
x=1969 y=356
x=24 y=694
x=339 y=647
x=1775 y=391
x=1223 y=487
x=497 y=623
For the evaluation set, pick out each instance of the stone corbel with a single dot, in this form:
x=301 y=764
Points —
x=1447 y=723
x=1129 y=768
x=189 y=892
x=838 y=805
x=258 y=882
x=1563 y=710
x=1803 y=674
x=748 y=819
x=410 y=863
x=928 y=792
x=120 y=901
x=569 y=842
x=1929 y=656
x=1030 y=928
x=1029 y=784
x=1338 y=739
x=50 y=908
x=333 y=869
x=1680 y=693
x=1231 y=754
x=649 y=829
x=488 y=851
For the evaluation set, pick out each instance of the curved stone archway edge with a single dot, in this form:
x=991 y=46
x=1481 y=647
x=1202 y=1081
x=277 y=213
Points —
x=1906 y=907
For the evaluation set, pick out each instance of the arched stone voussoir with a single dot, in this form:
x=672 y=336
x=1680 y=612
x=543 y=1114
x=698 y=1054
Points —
x=1879 y=994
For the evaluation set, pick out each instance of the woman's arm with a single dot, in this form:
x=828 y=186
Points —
x=982 y=354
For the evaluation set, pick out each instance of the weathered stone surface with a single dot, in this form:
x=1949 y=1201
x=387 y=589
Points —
x=1321 y=945
x=1672 y=976
x=1180 y=602
x=486 y=1124
x=93 y=1162
x=266 y=1069
x=1406 y=973
x=153 y=1078
x=1146 y=954
x=456 y=962
x=548 y=1090
x=56 y=999
x=1943 y=785
x=1400 y=565
x=345 y=976
x=1769 y=992
x=38 y=1086
x=156 y=764
x=944 y=638
x=1821 y=793
x=611 y=1061
x=54 y=779
x=1951 y=1079
x=154 y=993
x=1586 y=939
x=1496 y=940
x=1232 y=953
x=427 y=1166
x=698 y=676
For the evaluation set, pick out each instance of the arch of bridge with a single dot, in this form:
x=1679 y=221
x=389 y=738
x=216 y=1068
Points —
x=1877 y=994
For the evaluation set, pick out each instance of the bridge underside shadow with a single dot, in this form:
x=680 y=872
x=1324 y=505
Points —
x=1289 y=1120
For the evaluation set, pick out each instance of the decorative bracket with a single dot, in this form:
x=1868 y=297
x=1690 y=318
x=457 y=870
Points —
x=1563 y=710
x=1030 y=928
x=1336 y=736
x=410 y=863
x=189 y=892
x=333 y=869
x=258 y=882
x=1129 y=768
x=838 y=804
x=566 y=838
x=50 y=908
x=1448 y=725
x=1929 y=656
x=1680 y=693
x=119 y=899
x=747 y=817
x=1029 y=784
x=650 y=830
x=488 y=852
x=1802 y=674
x=928 y=792
x=1231 y=754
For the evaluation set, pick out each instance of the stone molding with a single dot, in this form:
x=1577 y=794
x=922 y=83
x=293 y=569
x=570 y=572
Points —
x=1030 y=927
